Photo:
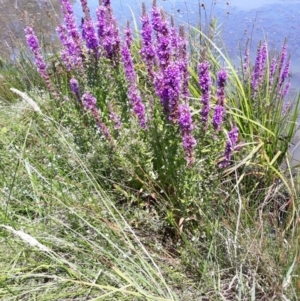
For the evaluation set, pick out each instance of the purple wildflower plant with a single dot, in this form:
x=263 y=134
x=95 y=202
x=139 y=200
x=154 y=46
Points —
x=33 y=43
x=205 y=84
x=186 y=127
x=230 y=147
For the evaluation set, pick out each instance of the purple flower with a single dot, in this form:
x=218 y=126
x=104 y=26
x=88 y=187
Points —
x=147 y=50
x=259 y=67
x=89 y=101
x=186 y=127
x=163 y=48
x=230 y=146
x=74 y=85
x=133 y=95
x=33 y=43
x=89 y=35
x=221 y=81
x=70 y=54
x=283 y=56
x=70 y=22
x=286 y=107
x=108 y=32
x=286 y=89
x=128 y=64
x=167 y=86
x=75 y=89
x=204 y=83
x=218 y=117
x=85 y=9
x=128 y=35
x=273 y=67
x=284 y=73
x=204 y=77
x=115 y=119
x=101 y=21
x=246 y=63
x=183 y=64
x=185 y=118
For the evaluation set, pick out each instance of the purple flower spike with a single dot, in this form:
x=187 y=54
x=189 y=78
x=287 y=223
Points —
x=108 y=32
x=204 y=83
x=246 y=63
x=183 y=64
x=285 y=73
x=273 y=67
x=163 y=47
x=147 y=50
x=89 y=35
x=75 y=89
x=85 y=9
x=89 y=101
x=128 y=35
x=230 y=147
x=33 y=43
x=167 y=86
x=115 y=119
x=259 y=67
x=283 y=56
x=133 y=95
x=70 y=22
x=186 y=127
x=218 y=116
x=221 y=81
x=286 y=90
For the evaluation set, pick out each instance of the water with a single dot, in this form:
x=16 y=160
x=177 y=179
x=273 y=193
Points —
x=240 y=20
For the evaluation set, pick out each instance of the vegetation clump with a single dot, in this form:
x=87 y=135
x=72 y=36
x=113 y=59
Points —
x=147 y=173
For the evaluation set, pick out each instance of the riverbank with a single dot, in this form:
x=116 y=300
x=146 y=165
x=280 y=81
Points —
x=146 y=167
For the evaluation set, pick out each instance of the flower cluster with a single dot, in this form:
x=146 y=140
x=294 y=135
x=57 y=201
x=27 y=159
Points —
x=133 y=95
x=147 y=50
x=219 y=110
x=108 y=32
x=186 y=127
x=204 y=83
x=259 y=68
x=33 y=43
x=89 y=102
x=183 y=63
x=230 y=147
